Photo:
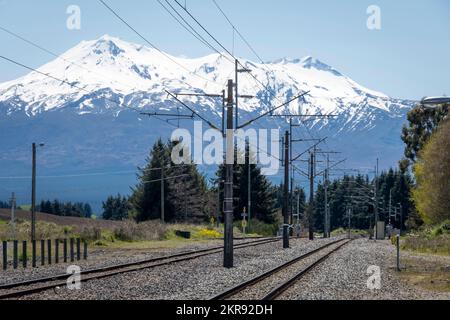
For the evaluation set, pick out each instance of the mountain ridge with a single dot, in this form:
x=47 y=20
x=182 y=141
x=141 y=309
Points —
x=99 y=127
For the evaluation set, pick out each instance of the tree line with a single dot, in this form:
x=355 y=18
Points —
x=188 y=195
x=355 y=196
x=418 y=190
x=427 y=155
x=65 y=209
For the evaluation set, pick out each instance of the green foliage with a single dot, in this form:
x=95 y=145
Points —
x=430 y=239
x=4 y=205
x=357 y=192
x=116 y=208
x=422 y=122
x=44 y=230
x=131 y=231
x=67 y=209
x=442 y=229
x=185 y=189
x=432 y=171
x=262 y=229
x=263 y=194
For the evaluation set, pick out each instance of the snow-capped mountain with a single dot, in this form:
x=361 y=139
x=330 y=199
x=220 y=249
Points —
x=86 y=101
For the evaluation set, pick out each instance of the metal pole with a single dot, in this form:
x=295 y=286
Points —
x=24 y=254
x=13 y=215
x=49 y=253
x=33 y=253
x=376 y=201
x=311 y=196
x=236 y=70
x=78 y=249
x=349 y=210
x=291 y=190
x=223 y=111
x=72 y=256
x=85 y=250
x=398 y=252
x=249 y=190
x=15 y=254
x=162 y=193
x=42 y=252
x=390 y=206
x=65 y=250
x=5 y=255
x=56 y=251
x=228 y=197
x=33 y=194
x=325 y=179
x=219 y=204
x=286 y=193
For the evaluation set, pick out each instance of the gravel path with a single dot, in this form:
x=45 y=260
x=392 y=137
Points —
x=260 y=289
x=343 y=276
x=99 y=258
x=195 y=279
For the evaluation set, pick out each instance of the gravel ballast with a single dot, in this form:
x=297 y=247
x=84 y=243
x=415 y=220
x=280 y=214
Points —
x=343 y=276
x=200 y=278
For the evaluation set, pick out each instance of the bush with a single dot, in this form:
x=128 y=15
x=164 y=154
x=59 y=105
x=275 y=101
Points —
x=442 y=229
x=131 y=231
x=261 y=228
x=207 y=234
x=44 y=230
x=431 y=239
x=91 y=234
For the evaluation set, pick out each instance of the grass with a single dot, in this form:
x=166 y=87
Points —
x=44 y=230
x=342 y=231
x=429 y=275
x=434 y=240
x=131 y=235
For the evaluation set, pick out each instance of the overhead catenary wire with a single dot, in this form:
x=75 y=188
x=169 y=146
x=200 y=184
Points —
x=235 y=29
x=152 y=44
x=79 y=175
x=188 y=27
x=57 y=56
x=74 y=86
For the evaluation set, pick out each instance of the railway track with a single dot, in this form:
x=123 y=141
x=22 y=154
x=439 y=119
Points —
x=273 y=283
x=23 y=288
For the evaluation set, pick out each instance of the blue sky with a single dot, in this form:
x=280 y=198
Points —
x=408 y=58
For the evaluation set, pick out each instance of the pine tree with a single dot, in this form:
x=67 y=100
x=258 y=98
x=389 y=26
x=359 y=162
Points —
x=263 y=194
x=116 y=208
x=185 y=189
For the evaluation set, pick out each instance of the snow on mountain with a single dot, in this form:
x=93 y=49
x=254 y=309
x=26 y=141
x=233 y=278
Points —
x=110 y=67
x=87 y=124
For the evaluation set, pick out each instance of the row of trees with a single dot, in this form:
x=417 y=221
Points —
x=427 y=152
x=4 y=205
x=357 y=193
x=66 y=209
x=187 y=194
x=263 y=196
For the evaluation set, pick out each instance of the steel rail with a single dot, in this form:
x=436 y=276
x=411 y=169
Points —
x=103 y=272
x=244 y=285
x=287 y=284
